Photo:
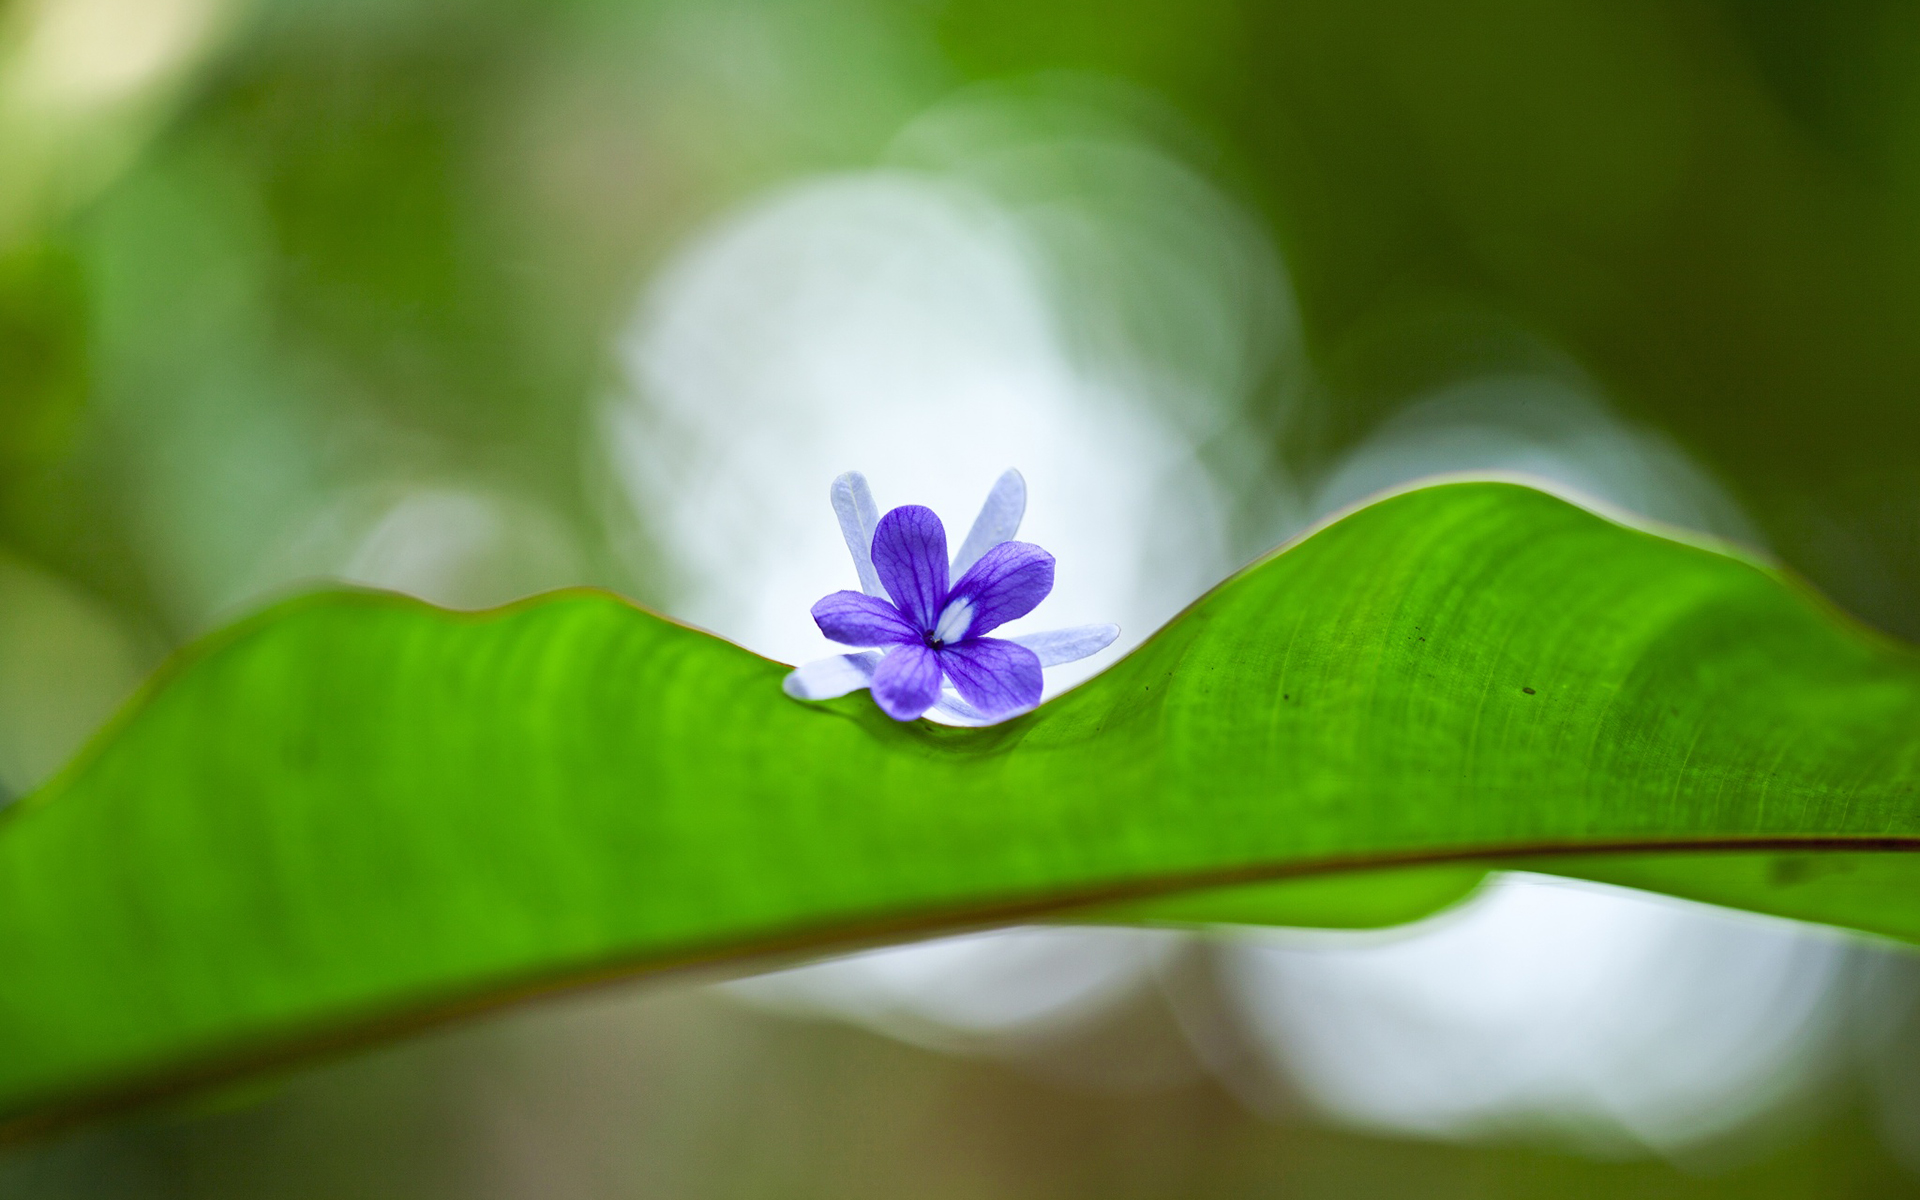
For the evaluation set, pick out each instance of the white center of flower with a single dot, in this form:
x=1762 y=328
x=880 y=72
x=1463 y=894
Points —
x=953 y=623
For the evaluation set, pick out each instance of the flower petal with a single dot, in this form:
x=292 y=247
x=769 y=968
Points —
x=907 y=682
x=910 y=553
x=853 y=504
x=998 y=521
x=1056 y=646
x=854 y=619
x=958 y=711
x=995 y=676
x=825 y=678
x=1007 y=582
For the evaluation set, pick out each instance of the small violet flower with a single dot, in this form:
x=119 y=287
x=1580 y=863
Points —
x=931 y=649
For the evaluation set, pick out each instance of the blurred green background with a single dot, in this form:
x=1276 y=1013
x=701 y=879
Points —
x=293 y=290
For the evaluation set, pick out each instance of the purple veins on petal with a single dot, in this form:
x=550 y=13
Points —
x=995 y=676
x=1007 y=583
x=910 y=554
x=907 y=681
x=853 y=619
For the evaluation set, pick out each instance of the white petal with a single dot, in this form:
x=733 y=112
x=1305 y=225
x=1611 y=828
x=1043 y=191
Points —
x=954 y=621
x=998 y=521
x=825 y=678
x=1056 y=646
x=951 y=706
x=853 y=504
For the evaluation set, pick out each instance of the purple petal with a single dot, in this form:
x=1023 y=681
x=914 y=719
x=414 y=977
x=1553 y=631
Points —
x=907 y=682
x=995 y=676
x=856 y=620
x=910 y=553
x=1007 y=582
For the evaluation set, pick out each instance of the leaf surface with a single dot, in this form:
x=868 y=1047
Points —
x=354 y=813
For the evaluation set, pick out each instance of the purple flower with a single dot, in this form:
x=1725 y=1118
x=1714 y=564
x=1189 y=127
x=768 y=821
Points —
x=928 y=619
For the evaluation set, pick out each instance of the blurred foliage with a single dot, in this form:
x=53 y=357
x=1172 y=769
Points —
x=1714 y=221
x=644 y=1093
x=397 y=240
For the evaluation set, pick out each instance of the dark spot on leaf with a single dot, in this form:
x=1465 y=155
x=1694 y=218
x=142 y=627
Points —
x=1788 y=870
x=1785 y=872
x=1528 y=691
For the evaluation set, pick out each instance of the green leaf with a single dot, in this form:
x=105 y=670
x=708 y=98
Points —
x=355 y=814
